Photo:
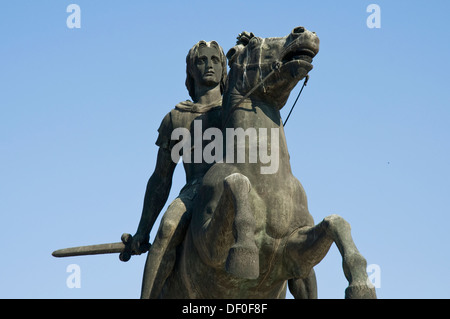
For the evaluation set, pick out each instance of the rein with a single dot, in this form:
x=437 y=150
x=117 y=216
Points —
x=275 y=67
x=292 y=108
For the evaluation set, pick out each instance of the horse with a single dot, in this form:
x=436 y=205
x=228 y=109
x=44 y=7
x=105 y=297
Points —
x=251 y=234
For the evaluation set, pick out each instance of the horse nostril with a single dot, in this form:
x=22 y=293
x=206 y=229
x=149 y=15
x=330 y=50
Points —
x=298 y=30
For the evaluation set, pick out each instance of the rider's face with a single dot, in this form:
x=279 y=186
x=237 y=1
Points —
x=208 y=68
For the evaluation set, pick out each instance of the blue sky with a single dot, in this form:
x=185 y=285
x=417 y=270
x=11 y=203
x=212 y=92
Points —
x=80 y=108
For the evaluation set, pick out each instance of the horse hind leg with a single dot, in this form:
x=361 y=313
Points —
x=304 y=288
x=309 y=245
x=243 y=256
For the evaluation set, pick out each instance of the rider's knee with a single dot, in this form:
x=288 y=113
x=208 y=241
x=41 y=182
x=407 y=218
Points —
x=171 y=219
x=167 y=228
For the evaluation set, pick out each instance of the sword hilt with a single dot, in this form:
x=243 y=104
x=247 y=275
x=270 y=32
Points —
x=126 y=254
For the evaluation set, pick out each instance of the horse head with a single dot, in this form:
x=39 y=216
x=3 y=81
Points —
x=271 y=65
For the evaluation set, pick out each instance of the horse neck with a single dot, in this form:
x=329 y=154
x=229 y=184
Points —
x=256 y=114
x=259 y=113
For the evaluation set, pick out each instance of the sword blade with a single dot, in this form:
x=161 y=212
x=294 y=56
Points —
x=109 y=248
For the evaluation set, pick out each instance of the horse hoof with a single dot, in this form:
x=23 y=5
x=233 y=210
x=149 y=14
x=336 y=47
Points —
x=243 y=262
x=360 y=292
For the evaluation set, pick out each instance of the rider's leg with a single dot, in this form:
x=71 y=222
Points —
x=161 y=256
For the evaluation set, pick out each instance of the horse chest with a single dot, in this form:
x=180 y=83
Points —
x=279 y=215
x=281 y=203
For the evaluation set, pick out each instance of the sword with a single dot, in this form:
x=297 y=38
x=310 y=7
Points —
x=123 y=247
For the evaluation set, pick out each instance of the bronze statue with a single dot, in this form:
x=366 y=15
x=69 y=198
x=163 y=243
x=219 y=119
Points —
x=241 y=226
x=251 y=231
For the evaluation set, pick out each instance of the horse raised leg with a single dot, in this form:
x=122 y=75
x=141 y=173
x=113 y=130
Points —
x=309 y=245
x=243 y=258
x=229 y=235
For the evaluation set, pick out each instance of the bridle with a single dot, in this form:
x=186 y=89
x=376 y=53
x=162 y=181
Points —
x=275 y=68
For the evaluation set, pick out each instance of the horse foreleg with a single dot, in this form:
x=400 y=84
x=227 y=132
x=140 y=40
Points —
x=228 y=237
x=243 y=257
x=309 y=245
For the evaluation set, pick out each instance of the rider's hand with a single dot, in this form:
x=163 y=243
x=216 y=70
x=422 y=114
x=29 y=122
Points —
x=139 y=244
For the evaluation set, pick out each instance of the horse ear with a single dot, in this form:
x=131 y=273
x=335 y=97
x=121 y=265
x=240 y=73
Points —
x=233 y=53
x=242 y=40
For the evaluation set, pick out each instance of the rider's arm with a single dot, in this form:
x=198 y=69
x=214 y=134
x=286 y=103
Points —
x=157 y=192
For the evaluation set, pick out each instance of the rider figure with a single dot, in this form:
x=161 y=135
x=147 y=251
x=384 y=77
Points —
x=205 y=79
